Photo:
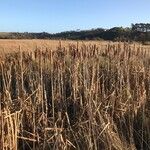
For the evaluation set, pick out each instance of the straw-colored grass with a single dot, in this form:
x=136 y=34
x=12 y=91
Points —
x=74 y=95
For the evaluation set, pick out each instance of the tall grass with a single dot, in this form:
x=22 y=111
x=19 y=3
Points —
x=77 y=97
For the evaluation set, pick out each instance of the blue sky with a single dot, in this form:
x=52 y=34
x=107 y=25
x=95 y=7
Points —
x=61 y=15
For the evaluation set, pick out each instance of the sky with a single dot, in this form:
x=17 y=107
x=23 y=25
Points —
x=62 y=15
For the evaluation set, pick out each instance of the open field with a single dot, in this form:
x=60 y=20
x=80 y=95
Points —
x=13 y=45
x=68 y=95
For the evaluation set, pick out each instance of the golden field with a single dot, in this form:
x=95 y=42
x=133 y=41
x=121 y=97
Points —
x=9 y=45
x=68 y=95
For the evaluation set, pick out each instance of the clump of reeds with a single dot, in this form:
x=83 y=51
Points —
x=76 y=97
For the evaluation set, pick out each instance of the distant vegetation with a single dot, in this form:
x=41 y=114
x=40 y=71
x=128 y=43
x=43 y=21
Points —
x=137 y=32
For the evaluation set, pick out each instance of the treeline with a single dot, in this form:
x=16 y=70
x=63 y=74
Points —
x=137 y=32
x=25 y=35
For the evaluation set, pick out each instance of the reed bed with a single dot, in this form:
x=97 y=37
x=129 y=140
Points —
x=87 y=97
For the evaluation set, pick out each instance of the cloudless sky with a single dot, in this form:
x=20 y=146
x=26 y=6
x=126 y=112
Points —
x=61 y=15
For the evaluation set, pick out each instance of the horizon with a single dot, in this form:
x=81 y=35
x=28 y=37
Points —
x=68 y=30
x=76 y=30
x=59 y=16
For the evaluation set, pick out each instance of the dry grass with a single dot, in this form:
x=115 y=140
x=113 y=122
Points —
x=74 y=95
x=9 y=45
